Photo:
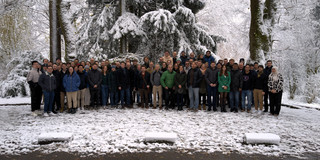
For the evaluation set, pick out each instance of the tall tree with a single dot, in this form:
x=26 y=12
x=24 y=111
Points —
x=55 y=37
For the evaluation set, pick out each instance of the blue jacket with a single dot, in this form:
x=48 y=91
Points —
x=208 y=59
x=71 y=82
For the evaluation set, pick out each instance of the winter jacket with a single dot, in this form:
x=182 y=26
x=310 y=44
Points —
x=276 y=84
x=47 y=82
x=71 y=82
x=203 y=85
x=183 y=59
x=62 y=74
x=143 y=81
x=167 y=79
x=211 y=76
x=124 y=76
x=105 y=79
x=224 y=81
x=267 y=71
x=94 y=78
x=113 y=81
x=155 y=78
x=83 y=80
x=248 y=80
x=180 y=79
x=208 y=59
x=236 y=80
x=260 y=82
x=197 y=77
x=57 y=75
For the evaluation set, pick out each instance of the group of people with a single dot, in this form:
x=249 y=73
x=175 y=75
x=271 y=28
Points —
x=196 y=83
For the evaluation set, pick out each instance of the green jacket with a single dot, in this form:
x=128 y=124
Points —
x=167 y=79
x=224 y=81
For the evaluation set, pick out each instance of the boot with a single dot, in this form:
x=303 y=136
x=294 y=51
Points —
x=204 y=107
x=61 y=109
x=199 y=107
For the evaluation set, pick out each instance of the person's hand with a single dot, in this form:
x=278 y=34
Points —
x=166 y=88
x=148 y=86
x=273 y=91
x=119 y=88
x=214 y=85
x=211 y=85
x=179 y=86
x=240 y=89
x=225 y=87
x=263 y=93
x=95 y=86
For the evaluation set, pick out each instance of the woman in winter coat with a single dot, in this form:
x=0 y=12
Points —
x=275 y=87
x=105 y=86
x=180 y=80
x=203 y=88
x=224 y=80
x=71 y=83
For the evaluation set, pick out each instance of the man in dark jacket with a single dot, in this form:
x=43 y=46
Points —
x=56 y=104
x=94 y=80
x=124 y=85
x=132 y=82
x=35 y=88
x=211 y=76
x=267 y=72
x=183 y=57
x=247 y=87
x=113 y=83
x=83 y=86
x=235 y=87
x=143 y=85
x=194 y=78
x=47 y=81
x=259 y=88
x=63 y=72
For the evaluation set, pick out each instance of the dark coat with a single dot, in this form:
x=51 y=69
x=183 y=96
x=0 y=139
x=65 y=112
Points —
x=113 y=81
x=47 y=82
x=197 y=77
x=57 y=75
x=83 y=80
x=123 y=78
x=211 y=76
x=236 y=80
x=94 y=78
x=143 y=82
x=180 y=79
x=261 y=82
x=62 y=89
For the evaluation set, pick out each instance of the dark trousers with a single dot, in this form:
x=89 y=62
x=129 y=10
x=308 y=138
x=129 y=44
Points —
x=275 y=102
x=36 y=96
x=212 y=93
x=144 y=94
x=94 y=96
x=170 y=97
x=56 y=103
x=265 y=99
x=125 y=96
x=186 y=100
x=180 y=101
x=204 y=98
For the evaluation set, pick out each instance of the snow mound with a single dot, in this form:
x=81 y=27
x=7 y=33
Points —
x=261 y=138
x=160 y=137
x=50 y=137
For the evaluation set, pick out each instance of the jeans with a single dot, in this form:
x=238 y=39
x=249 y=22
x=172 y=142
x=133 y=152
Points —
x=48 y=101
x=194 y=97
x=248 y=94
x=113 y=98
x=212 y=92
x=234 y=99
x=180 y=100
x=125 y=93
x=169 y=98
x=105 y=94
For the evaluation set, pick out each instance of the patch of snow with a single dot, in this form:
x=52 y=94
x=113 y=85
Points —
x=160 y=136
x=47 y=137
x=261 y=138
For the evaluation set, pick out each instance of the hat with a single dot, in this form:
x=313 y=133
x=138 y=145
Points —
x=86 y=67
x=178 y=59
x=113 y=66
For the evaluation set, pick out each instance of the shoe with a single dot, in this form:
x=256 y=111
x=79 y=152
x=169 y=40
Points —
x=235 y=111
x=204 y=107
x=199 y=107
x=265 y=111
x=54 y=112
x=34 y=113
x=214 y=109
x=209 y=109
x=249 y=111
x=51 y=114
x=232 y=109
x=73 y=111
x=45 y=115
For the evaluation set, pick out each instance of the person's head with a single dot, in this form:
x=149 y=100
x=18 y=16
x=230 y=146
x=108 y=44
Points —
x=176 y=67
x=274 y=70
x=166 y=53
x=241 y=60
x=135 y=62
x=260 y=68
x=55 y=67
x=128 y=60
x=81 y=68
x=70 y=70
x=213 y=65
x=95 y=66
x=201 y=56
x=183 y=53
x=256 y=65
x=181 y=69
x=161 y=59
x=103 y=63
x=157 y=67
x=96 y=62
x=220 y=61
x=219 y=65
x=107 y=62
x=49 y=69
x=225 y=61
x=138 y=67
x=151 y=64
x=251 y=67
x=164 y=65
x=118 y=64
x=208 y=53
x=87 y=68
x=241 y=66
x=45 y=67
x=76 y=68
x=128 y=65
x=83 y=63
x=58 y=61
x=224 y=69
x=76 y=61
x=235 y=66
x=92 y=61
x=178 y=61
x=168 y=61
x=191 y=60
x=199 y=63
x=105 y=69
x=143 y=68
x=123 y=65
x=203 y=66
x=72 y=64
x=192 y=55
x=113 y=68
x=231 y=61
x=247 y=68
x=35 y=64
x=88 y=63
x=146 y=59
x=269 y=63
x=45 y=61
x=64 y=66
x=187 y=64
x=194 y=65
x=174 y=54
x=170 y=67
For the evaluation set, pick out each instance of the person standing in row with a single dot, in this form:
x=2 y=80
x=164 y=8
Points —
x=83 y=86
x=124 y=83
x=180 y=80
x=167 y=82
x=157 y=88
x=275 y=87
x=224 y=80
x=94 y=79
x=105 y=86
x=47 y=81
x=235 y=87
x=267 y=72
x=259 y=88
x=194 y=78
x=71 y=83
x=203 y=88
x=212 y=85
x=247 y=87
x=35 y=88
x=113 y=83
x=143 y=85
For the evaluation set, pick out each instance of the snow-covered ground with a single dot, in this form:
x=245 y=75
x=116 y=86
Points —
x=114 y=131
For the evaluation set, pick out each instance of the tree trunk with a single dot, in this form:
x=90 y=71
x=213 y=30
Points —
x=254 y=29
x=123 y=40
x=55 y=39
